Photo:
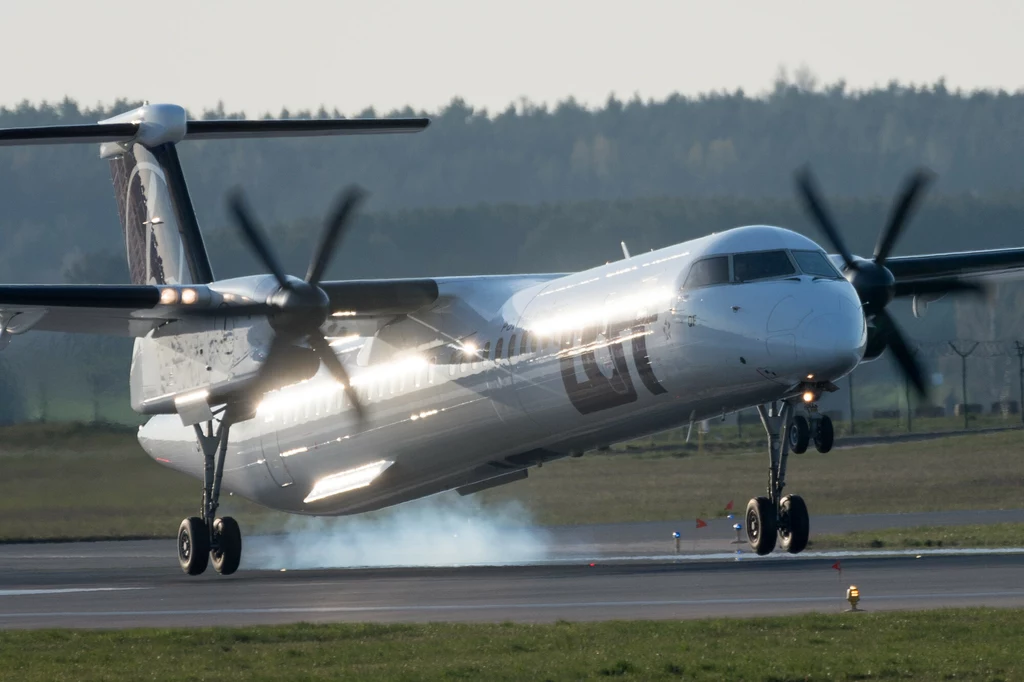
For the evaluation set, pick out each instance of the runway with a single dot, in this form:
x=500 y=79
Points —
x=134 y=584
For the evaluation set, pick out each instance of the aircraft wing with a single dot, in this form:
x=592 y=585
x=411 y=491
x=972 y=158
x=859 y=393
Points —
x=913 y=273
x=134 y=310
x=117 y=310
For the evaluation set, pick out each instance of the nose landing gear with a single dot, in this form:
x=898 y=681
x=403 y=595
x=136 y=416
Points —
x=802 y=432
x=207 y=537
x=773 y=516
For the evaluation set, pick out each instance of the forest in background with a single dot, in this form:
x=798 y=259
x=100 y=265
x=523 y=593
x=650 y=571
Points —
x=533 y=189
x=726 y=145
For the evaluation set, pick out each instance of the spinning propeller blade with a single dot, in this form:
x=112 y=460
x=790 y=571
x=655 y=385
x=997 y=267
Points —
x=904 y=357
x=874 y=283
x=913 y=190
x=333 y=229
x=298 y=313
x=807 y=190
x=337 y=369
x=253 y=237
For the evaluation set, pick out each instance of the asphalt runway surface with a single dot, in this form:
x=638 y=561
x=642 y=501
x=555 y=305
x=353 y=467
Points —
x=620 y=571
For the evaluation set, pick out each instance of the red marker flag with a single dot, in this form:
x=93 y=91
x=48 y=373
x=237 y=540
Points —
x=728 y=507
x=837 y=567
x=701 y=523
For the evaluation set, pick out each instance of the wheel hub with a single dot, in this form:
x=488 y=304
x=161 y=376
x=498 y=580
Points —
x=184 y=546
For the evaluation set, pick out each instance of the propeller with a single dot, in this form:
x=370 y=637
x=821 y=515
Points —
x=875 y=284
x=299 y=308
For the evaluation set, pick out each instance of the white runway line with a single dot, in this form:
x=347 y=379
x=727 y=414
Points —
x=298 y=610
x=66 y=590
x=811 y=554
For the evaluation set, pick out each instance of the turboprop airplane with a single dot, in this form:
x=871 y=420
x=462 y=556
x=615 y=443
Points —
x=339 y=397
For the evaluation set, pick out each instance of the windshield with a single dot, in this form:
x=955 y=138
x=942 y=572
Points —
x=761 y=265
x=815 y=263
x=707 y=272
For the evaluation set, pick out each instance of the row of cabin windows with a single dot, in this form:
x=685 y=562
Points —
x=527 y=343
x=301 y=409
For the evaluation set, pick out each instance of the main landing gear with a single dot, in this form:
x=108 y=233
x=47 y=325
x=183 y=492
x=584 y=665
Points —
x=206 y=538
x=773 y=516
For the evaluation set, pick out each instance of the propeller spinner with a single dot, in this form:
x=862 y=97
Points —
x=875 y=283
x=300 y=307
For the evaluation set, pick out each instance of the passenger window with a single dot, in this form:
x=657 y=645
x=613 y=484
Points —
x=815 y=263
x=705 y=273
x=747 y=267
x=524 y=346
x=497 y=348
x=533 y=343
x=487 y=351
x=511 y=346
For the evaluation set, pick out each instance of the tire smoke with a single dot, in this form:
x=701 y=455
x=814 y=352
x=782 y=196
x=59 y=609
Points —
x=444 y=530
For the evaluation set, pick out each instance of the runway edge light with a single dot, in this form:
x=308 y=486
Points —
x=853 y=596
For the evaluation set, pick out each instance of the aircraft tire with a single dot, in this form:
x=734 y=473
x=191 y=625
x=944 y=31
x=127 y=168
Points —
x=794 y=524
x=228 y=554
x=799 y=435
x=762 y=527
x=824 y=435
x=193 y=546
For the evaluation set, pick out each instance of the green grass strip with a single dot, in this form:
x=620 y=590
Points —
x=952 y=644
x=926 y=537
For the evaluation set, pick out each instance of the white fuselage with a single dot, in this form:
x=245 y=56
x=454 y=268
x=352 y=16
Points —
x=612 y=353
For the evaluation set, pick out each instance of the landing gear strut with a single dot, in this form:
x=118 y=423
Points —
x=205 y=537
x=774 y=516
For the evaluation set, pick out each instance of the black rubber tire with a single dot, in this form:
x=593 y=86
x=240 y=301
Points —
x=762 y=527
x=193 y=546
x=824 y=435
x=799 y=435
x=794 y=524
x=228 y=539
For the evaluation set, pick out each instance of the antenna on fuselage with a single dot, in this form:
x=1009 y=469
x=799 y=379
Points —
x=625 y=250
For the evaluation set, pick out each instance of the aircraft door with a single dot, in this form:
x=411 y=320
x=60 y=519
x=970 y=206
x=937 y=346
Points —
x=270 y=426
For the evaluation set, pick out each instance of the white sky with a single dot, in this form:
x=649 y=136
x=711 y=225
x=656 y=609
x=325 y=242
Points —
x=258 y=55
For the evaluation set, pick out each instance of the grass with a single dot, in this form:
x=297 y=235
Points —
x=75 y=482
x=920 y=537
x=982 y=471
x=960 y=644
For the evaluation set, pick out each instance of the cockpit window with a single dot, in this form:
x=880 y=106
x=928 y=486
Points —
x=709 y=271
x=747 y=267
x=815 y=263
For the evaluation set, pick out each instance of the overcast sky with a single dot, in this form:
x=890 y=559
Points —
x=258 y=55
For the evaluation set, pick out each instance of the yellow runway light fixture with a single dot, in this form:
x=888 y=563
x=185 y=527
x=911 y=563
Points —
x=853 y=596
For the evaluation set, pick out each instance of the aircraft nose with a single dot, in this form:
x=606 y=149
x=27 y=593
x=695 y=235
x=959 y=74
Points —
x=831 y=342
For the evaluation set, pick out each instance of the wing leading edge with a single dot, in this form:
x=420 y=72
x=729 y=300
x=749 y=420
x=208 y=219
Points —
x=134 y=310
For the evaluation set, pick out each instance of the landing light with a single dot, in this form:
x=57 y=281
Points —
x=345 y=481
x=189 y=296
x=810 y=376
x=809 y=396
x=168 y=296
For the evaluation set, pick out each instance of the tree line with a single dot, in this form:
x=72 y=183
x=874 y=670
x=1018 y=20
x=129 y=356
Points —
x=727 y=144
